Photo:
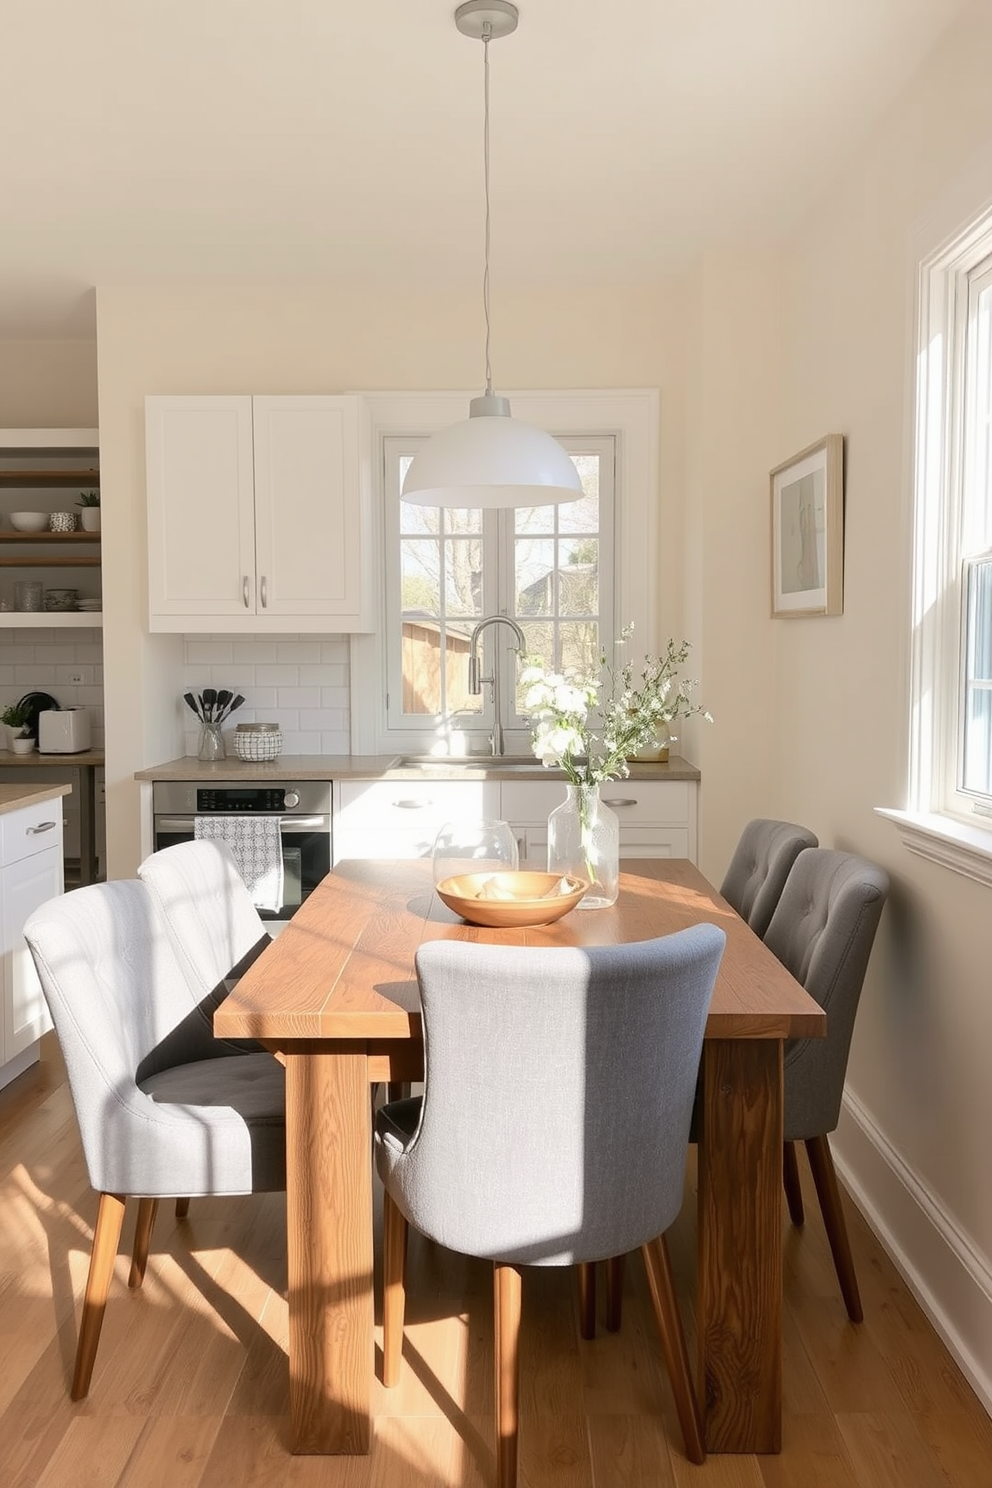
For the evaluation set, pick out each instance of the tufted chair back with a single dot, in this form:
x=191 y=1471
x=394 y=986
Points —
x=760 y=866
x=823 y=931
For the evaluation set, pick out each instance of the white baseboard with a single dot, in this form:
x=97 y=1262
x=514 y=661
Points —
x=950 y=1278
x=20 y=1062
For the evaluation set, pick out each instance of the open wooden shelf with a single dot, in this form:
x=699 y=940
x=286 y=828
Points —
x=46 y=538
x=49 y=477
x=60 y=560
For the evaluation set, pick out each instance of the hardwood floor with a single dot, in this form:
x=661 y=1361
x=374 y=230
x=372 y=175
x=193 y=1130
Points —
x=190 y=1386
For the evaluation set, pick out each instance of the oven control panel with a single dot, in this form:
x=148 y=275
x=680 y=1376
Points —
x=243 y=799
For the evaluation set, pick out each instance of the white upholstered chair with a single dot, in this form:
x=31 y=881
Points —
x=165 y=1110
x=499 y=1161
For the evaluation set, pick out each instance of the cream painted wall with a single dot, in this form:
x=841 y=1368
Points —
x=313 y=338
x=48 y=385
x=914 y=1136
x=732 y=412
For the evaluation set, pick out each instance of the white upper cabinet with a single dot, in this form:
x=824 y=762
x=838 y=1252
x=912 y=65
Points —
x=259 y=515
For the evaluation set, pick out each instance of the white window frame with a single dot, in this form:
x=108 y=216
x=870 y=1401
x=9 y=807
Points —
x=630 y=416
x=940 y=822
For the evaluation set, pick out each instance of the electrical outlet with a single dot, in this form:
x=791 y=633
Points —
x=76 y=677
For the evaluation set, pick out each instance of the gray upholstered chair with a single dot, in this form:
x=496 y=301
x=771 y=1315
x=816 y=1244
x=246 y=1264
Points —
x=760 y=866
x=206 y=909
x=164 y=1109
x=496 y=1160
x=823 y=930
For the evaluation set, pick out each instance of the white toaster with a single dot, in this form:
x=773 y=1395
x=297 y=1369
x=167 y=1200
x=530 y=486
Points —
x=66 y=731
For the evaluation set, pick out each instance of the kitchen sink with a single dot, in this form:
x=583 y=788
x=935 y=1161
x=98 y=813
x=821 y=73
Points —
x=433 y=762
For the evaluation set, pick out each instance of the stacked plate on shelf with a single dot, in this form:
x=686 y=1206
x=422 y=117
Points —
x=90 y=604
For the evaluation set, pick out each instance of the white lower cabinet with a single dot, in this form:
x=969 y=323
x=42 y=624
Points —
x=657 y=817
x=30 y=874
x=401 y=818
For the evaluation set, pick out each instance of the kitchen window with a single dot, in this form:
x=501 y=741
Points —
x=548 y=568
x=555 y=570
x=950 y=808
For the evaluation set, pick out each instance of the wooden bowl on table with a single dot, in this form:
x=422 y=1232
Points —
x=510 y=899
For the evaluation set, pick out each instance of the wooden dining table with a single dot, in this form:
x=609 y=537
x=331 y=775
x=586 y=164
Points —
x=335 y=996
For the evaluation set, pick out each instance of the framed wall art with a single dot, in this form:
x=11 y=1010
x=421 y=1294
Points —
x=808 y=531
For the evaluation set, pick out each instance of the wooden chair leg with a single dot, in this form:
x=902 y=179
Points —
x=182 y=1208
x=659 y=1269
x=147 y=1210
x=507 y=1297
x=106 y=1237
x=790 y=1177
x=394 y=1237
x=587 y=1298
x=825 y=1178
x=614 y=1293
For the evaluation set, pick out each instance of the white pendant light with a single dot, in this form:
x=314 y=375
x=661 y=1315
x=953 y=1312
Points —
x=490 y=459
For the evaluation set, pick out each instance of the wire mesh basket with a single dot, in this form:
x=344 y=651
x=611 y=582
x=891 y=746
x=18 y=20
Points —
x=258 y=741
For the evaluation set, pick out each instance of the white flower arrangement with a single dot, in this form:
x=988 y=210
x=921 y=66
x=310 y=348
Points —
x=561 y=708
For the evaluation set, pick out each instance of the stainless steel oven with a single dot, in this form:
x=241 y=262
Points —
x=303 y=810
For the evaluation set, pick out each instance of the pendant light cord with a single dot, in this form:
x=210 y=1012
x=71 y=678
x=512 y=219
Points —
x=486 y=34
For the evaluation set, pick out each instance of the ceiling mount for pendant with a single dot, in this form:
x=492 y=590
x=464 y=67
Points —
x=490 y=459
x=474 y=16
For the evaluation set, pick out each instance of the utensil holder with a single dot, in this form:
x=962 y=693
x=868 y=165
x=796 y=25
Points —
x=211 y=743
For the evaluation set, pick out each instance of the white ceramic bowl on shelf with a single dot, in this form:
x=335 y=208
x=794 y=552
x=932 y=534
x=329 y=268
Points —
x=29 y=521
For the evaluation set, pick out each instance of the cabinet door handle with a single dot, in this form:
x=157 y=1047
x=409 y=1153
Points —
x=412 y=805
x=41 y=827
x=264 y=590
x=245 y=593
x=619 y=800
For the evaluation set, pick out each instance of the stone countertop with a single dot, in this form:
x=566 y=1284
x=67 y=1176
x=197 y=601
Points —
x=89 y=757
x=13 y=797
x=383 y=767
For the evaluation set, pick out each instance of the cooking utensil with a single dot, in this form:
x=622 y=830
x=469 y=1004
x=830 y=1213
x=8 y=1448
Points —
x=223 y=698
x=191 y=702
x=208 y=697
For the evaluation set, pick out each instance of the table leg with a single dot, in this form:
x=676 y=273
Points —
x=87 y=825
x=329 y=1223
x=740 y=1245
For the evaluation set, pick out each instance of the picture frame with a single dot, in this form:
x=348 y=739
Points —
x=807 y=531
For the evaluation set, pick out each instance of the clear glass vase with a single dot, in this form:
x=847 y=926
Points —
x=211 y=742
x=584 y=841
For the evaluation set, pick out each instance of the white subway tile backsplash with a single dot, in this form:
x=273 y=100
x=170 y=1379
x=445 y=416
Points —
x=297 y=652
x=250 y=649
x=298 y=697
x=284 y=675
x=294 y=742
x=299 y=682
x=43 y=659
x=260 y=698
x=335 y=697
x=335 y=648
x=209 y=652
x=34 y=675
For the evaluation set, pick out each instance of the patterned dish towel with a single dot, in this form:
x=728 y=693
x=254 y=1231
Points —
x=256 y=843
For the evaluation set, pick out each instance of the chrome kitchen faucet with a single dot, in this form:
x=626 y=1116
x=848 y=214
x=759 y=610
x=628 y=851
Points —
x=475 y=681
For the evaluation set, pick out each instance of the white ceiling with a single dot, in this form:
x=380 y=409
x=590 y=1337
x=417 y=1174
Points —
x=309 y=140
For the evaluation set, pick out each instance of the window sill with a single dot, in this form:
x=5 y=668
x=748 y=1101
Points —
x=953 y=844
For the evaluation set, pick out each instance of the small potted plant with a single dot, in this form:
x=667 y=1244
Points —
x=89 y=516
x=17 y=720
